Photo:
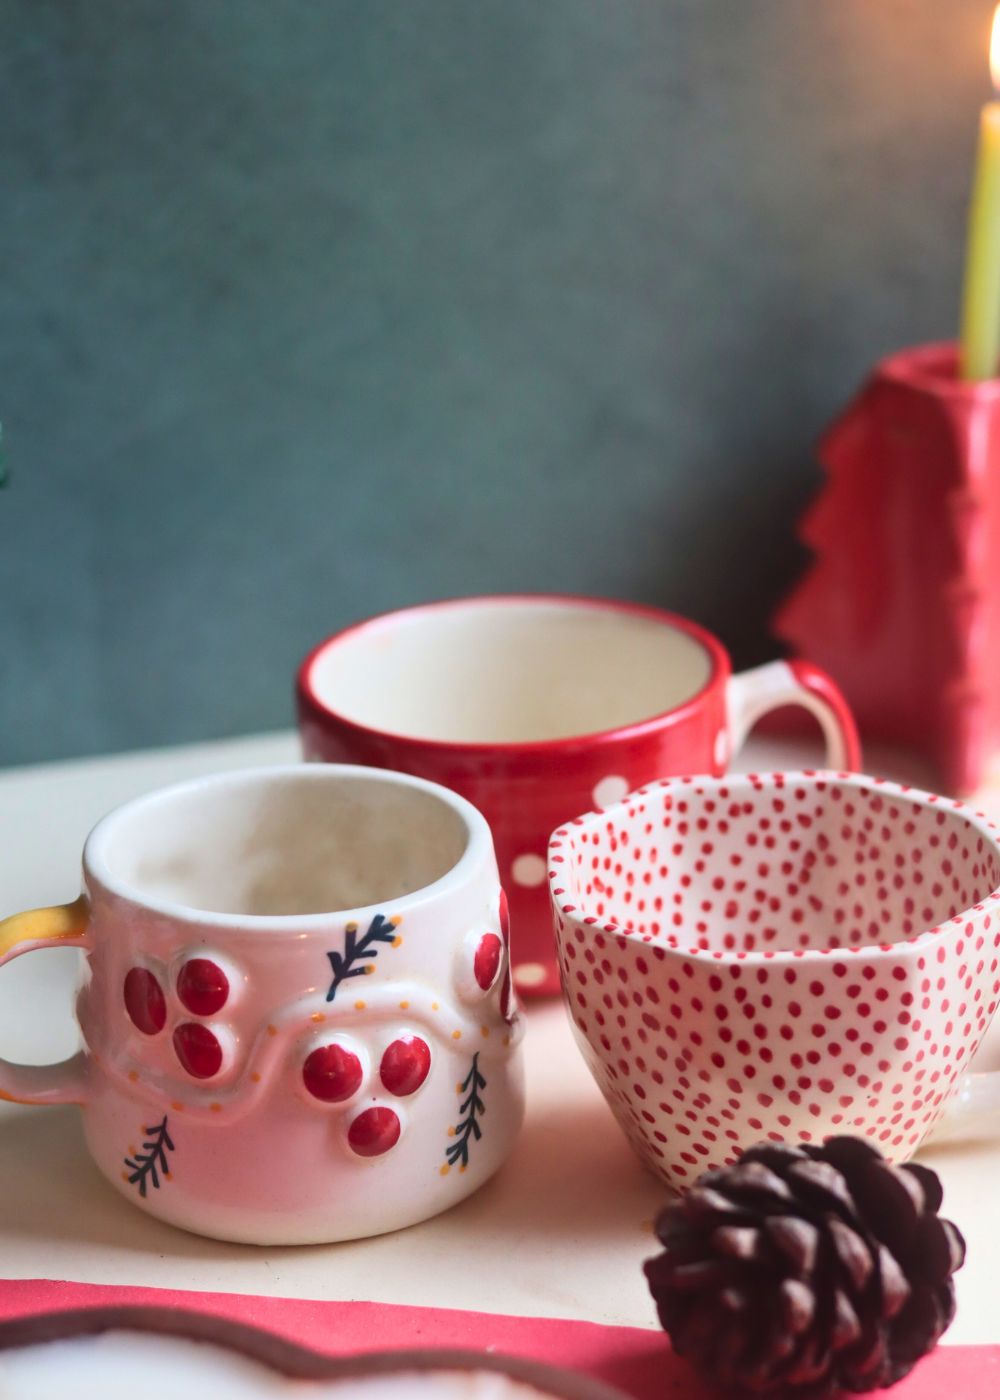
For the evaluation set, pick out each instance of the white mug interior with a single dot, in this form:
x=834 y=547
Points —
x=509 y=670
x=741 y=865
x=283 y=841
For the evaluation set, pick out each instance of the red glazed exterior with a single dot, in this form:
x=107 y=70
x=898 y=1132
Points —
x=526 y=790
x=902 y=604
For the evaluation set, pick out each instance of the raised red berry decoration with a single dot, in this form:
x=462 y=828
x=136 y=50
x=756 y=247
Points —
x=332 y=1073
x=405 y=1065
x=373 y=1132
x=198 y=1050
x=202 y=986
x=144 y=1001
x=486 y=963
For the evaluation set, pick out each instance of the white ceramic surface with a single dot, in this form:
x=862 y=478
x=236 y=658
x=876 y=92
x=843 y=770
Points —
x=513 y=668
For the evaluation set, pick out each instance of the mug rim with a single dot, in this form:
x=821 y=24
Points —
x=780 y=956
x=479 y=842
x=720 y=668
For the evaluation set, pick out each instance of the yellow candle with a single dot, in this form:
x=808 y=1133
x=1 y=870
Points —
x=981 y=306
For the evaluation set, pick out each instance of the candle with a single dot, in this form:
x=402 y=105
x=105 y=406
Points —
x=980 y=357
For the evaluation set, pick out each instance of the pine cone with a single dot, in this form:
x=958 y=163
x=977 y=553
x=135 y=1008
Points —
x=807 y=1270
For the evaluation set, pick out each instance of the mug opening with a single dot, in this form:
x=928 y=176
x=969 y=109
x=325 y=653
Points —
x=747 y=866
x=281 y=842
x=519 y=670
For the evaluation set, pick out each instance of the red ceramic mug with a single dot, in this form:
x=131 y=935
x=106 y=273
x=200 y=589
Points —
x=536 y=707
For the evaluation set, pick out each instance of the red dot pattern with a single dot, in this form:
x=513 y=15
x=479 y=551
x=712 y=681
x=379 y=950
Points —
x=144 y=1000
x=332 y=1073
x=202 y=987
x=374 y=1132
x=405 y=1065
x=198 y=1050
x=783 y=957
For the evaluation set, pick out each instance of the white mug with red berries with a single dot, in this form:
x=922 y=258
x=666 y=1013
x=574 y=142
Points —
x=779 y=958
x=297 y=1017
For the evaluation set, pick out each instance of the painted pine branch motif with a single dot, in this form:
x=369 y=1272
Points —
x=472 y=1109
x=358 y=957
x=147 y=1165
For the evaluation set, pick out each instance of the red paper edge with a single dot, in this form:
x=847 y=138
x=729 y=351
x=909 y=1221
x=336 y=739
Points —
x=638 y=1360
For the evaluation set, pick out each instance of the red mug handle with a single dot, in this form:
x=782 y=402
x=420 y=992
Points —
x=753 y=694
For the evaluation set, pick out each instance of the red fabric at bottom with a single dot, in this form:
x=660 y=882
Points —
x=636 y=1360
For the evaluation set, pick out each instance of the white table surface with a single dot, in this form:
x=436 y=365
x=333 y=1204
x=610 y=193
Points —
x=561 y=1231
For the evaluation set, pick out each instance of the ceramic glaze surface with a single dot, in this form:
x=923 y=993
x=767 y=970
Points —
x=537 y=707
x=302 y=1076
x=513 y=669
x=779 y=957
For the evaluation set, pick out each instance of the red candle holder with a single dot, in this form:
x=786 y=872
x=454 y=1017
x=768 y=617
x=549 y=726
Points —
x=902 y=602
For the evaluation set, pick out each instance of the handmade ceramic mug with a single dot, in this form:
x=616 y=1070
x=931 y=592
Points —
x=298 y=1018
x=537 y=707
x=779 y=957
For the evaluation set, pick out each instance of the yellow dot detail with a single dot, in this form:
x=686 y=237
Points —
x=445 y=1169
x=131 y=1150
x=360 y=1005
x=404 y=1006
x=396 y=920
x=352 y=928
x=458 y=1087
x=484 y=1031
x=215 y=1108
x=369 y=969
x=272 y=1030
x=506 y=1040
x=124 y=1176
x=317 y=1016
x=456 y=1035
x=255 y=1077
x=133 y=1075
x=462 y=1167
x=167 y=1176
x=177 y=1106
x=451 y=1132
x=435 y=1006
x=397 y=940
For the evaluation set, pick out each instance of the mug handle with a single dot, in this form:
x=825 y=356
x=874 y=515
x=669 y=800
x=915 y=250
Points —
x=62 y=926
x=753 y=694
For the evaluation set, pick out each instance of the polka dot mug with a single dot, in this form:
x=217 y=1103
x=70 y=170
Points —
x=298 y=1018
x=778 y=957
x=535 y=707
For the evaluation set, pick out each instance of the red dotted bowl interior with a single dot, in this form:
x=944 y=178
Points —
x=782 y=863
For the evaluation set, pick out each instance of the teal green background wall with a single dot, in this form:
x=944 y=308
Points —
x=309 y=309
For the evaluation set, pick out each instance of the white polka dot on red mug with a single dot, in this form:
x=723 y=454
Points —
x=778 y=957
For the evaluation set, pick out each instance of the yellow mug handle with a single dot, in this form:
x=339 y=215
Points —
x=62 y=926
